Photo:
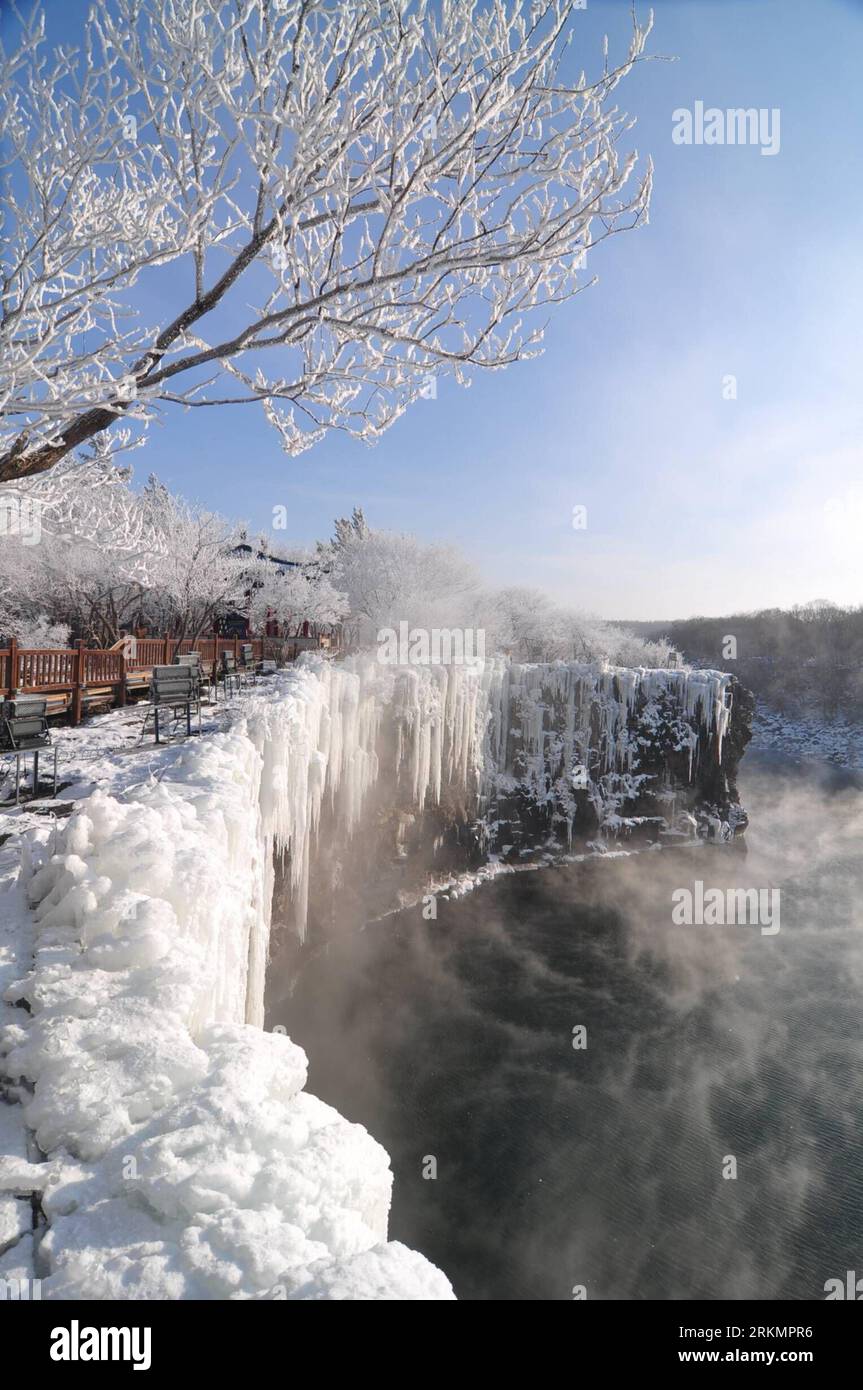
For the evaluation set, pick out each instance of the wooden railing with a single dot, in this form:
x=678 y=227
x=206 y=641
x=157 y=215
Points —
x=68 y=671
x=81 y=673
x=104 y=668
x=145 y=652
x=40 y=669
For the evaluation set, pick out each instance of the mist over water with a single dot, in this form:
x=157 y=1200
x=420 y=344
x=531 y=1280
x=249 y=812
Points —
x=452 y=1039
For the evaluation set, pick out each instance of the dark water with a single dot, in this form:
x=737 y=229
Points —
x=452 y=1040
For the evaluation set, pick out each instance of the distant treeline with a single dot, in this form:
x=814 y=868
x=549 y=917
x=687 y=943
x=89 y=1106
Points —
x=806 y=660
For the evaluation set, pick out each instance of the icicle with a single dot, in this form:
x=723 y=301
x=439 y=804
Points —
x=477 y=730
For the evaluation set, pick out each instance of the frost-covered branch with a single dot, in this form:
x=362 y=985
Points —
x=369 y=194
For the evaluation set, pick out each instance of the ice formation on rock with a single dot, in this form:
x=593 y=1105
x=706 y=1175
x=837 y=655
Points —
x=503 y=729
x=183 y=1158
x=592 y=706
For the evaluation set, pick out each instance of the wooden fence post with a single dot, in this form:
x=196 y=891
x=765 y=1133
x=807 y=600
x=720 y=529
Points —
x=122 y=697
x=13 y=666
x=79 y=681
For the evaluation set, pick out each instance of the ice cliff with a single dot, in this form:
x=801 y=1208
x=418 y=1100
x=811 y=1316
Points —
x=541 y=755
x=574 y=749
x=182 y=1156
x=178 y=1153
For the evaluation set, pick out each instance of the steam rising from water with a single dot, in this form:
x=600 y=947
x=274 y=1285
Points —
x=603 y=1167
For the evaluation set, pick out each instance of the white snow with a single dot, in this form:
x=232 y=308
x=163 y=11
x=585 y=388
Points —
x=16 y=1217
x=184 y=1159
x=838 y=741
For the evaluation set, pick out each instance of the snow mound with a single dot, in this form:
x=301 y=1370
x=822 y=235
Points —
x=245 y=1187
x=184 y=1158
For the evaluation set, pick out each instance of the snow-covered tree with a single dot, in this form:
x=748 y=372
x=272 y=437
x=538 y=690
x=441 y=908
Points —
x=530 y=627
x=347 y=529
x=522 y=622
x=106 y=557
x=391 y=578
x=632 y=650
x=22 y=596
x=39 y=632
x=337 y=201
x=67 y=582
x=195 y=571
x=295 y=596
x=88 y=499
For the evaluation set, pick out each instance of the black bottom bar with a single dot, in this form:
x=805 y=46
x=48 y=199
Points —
x=607 y=1337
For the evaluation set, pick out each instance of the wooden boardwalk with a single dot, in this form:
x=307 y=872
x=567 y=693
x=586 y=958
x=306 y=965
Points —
x=77 y=680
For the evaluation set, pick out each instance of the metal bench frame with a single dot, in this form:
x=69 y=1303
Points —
x=17 y=746
x=232 y=676
x=193 y=661
x=185 y=696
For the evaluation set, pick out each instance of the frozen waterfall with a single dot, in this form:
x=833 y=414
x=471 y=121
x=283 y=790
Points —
x=162 y=1107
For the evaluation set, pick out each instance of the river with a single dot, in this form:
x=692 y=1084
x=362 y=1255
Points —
x=704 y=1141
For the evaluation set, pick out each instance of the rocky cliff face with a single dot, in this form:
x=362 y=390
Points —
x=590 y=758
x=516 y=763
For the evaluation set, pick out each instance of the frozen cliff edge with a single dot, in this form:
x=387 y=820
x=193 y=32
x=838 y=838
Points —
x=584 y=750
x=183 y=1159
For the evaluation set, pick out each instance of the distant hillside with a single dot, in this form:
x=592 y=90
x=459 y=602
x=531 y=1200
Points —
x=808 y=660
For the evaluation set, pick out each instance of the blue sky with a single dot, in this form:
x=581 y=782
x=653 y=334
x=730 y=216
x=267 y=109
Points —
x=750 y=266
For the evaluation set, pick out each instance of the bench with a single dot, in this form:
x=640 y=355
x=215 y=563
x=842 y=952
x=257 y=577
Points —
x=192 y=660
x=57 y=702
x=94 y=695
x=249 y=668
x=173 y=688
x=24 y=729
x=231 y=678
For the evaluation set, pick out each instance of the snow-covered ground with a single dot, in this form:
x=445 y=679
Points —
x=837 y=741
x=178 y=1154
x=16 y=1216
